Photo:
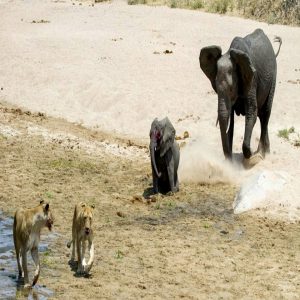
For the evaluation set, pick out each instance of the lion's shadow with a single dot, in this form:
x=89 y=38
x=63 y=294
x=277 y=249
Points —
x=73 y=266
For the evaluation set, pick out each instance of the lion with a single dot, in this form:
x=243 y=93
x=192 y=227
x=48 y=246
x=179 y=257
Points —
x=26 y=231
x=81 y=233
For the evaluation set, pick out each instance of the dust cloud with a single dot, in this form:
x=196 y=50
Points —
x=203 y=164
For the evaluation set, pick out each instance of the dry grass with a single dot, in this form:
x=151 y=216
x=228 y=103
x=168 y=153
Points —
x=270 y=11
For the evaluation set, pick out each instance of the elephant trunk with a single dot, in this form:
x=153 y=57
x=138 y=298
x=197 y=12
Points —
x=152 y=152
x=224 y=114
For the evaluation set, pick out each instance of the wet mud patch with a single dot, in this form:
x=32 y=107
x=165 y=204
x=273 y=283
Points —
x=11 y=287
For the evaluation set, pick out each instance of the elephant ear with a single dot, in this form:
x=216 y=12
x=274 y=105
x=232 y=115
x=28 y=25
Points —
x=168 y=136
x=245 y=67
x=208 y=59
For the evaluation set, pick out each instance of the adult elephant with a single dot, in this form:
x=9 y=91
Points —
x=244 y=79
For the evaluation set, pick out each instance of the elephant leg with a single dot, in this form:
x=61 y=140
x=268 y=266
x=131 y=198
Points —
x=176 y=182
x=171 y=177
x=264 y=143
x=155 y=182
x=264 y=116
x=231 y=129
x=250 y=120
x=176 y=157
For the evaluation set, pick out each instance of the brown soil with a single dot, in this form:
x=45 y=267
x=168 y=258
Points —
x=187 y=245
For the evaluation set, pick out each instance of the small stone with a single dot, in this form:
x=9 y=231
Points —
x=224 y=231
x=120 y=214
x=137 y=198
x=186 y=135
x=153 y=198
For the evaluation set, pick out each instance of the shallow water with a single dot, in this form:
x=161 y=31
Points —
x=10 y=286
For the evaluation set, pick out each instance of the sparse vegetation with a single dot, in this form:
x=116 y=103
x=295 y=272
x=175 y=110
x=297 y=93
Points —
x=119 y=254
x=46 y=259
x=69 y=164
x=197 y=4
x=169 y=204
x=134 y=2
x=49 y=195
x=270 y=11
x=284 y=133
x=220 y=6
x=3 y=137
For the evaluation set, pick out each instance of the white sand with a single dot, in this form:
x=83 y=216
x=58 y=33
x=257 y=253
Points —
x=96 y=66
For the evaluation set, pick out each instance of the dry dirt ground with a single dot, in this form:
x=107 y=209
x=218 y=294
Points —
x=189 y=245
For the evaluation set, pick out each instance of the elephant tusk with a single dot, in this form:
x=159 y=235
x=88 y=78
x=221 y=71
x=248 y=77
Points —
x=228 y=124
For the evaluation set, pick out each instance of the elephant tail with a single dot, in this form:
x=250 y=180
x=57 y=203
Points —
x=278 y=39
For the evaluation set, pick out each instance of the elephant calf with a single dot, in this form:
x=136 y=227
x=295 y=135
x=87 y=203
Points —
x=165 y=156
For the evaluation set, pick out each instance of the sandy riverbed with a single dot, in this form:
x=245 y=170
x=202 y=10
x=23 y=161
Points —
x=104 y=67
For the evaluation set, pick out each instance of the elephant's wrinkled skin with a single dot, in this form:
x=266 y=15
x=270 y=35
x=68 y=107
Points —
x=244 y=79
x=165 y=155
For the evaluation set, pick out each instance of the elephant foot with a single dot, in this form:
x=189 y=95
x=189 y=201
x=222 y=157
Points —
x=253 y=160
x=246 y=151
x=175 y=189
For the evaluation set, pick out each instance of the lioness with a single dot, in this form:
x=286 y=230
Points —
x=81 y=232
x=26 y=230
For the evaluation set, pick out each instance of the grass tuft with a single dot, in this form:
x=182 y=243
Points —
x=119 y=254
x=135 y=2
x=284 y=133
x=220 y=6
x=197 y=4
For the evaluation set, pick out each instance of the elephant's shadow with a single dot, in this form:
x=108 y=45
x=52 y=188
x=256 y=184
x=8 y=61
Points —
x=149 y=191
